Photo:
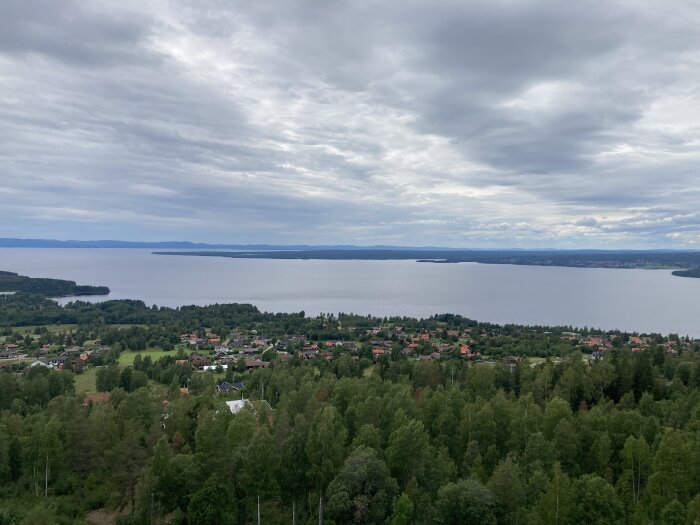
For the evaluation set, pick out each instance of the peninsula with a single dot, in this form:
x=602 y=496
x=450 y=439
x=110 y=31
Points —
x=20 y=284
x=685 y=263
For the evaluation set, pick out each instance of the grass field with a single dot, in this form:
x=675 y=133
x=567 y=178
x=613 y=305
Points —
x=53 y=328
x=85 y=382
x=127 y=358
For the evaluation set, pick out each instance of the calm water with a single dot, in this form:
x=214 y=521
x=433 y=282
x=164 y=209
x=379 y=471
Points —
x=633 y=300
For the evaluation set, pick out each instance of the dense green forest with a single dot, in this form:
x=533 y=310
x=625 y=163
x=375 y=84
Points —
x=560 y=437
x=391 y=442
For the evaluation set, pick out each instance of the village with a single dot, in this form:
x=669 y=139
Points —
x=246 y=350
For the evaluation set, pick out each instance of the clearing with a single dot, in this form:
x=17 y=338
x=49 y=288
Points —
x=127 y=357
x=85 y=382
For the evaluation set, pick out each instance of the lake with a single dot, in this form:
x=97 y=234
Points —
x=631 y=300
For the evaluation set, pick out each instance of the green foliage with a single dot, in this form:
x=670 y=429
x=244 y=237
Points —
x=636 y=457
x=363 y=490
x=108 y=378
x=40 y=514
x=325 y=447
x=593 y=500
x=408 y=452
x=673 y=514
x=465 y=502
x=402 y=511
x=209 y=505
x=507 y=488
x=673 y=472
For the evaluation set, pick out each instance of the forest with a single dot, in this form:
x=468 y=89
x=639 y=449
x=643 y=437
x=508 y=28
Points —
x=553 y=436
x=396 y=442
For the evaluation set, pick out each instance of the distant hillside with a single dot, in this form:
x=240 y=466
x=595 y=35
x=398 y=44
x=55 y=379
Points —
x=52 y=243
x=12 y=282
x=185 y=245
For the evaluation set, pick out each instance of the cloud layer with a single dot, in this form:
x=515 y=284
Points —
x=506 y=123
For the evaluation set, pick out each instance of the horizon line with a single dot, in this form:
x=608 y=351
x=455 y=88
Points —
x=19 y=242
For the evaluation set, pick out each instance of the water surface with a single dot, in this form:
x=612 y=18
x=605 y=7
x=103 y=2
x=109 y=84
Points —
x=631 y=300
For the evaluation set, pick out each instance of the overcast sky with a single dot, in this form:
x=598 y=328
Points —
x=499 y=123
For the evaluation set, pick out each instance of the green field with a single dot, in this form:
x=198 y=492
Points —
x=85 y=382
x=53 y=328
x=127 y=358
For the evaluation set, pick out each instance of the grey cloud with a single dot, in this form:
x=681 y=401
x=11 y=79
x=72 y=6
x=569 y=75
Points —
x=457 y=123
x=586 y=221
x=72 y=31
